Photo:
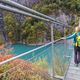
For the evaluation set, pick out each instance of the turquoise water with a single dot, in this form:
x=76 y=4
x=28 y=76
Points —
x=45 y=53
x=60 y=49
x=21 y=48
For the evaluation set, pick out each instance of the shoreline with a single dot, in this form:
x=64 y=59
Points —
x=32 y=44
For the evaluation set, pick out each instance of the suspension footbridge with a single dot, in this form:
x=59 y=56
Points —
x=57 y=55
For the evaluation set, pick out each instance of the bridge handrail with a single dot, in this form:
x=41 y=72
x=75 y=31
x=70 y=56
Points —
x=28 y=12
x=4 y=7
x=26 y=9
x=23 y=54
x=67 y=69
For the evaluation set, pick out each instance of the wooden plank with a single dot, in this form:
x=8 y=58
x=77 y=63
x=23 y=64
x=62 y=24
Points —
x=73 y=71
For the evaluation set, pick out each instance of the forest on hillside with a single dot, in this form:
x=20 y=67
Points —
x=30 y=30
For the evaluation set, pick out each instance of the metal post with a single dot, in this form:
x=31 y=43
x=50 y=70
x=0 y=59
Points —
x=52 y=36
x=52 y=40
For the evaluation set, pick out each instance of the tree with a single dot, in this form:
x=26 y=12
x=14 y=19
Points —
x=57 y=34
x=10 y=25
x=33 y=30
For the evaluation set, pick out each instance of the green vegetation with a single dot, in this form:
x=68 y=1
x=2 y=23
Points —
x=31 y=30
x=4 y=68
x=34 y=31
x=59 y=65
x=68 y=6
x=24 y=70
x=57 y=34
x=1 y=40
x=55 y=7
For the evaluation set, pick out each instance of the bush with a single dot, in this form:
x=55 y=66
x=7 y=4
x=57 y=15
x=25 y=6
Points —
x=59 y=65
x=22 y=70
x=5 y=57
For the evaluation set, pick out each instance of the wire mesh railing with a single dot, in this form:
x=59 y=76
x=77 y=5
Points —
x=62 y=58
x=40 y=63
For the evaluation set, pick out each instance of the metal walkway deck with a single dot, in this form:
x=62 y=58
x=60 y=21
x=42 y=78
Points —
x=73 y=71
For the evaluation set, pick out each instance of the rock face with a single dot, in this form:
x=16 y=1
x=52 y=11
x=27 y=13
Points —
x=3 y=36
x=1 y=21
x=27 y=3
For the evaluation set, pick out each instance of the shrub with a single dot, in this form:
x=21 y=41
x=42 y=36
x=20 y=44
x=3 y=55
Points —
x=23 y=70
x=5 y=57
x=4 y=68
x=59 y=65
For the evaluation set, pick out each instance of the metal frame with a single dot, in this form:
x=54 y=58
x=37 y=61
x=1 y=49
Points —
x=17 y=8
x=16 y=57
x=52 y=40
x=20 y=12
x=26 y=9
